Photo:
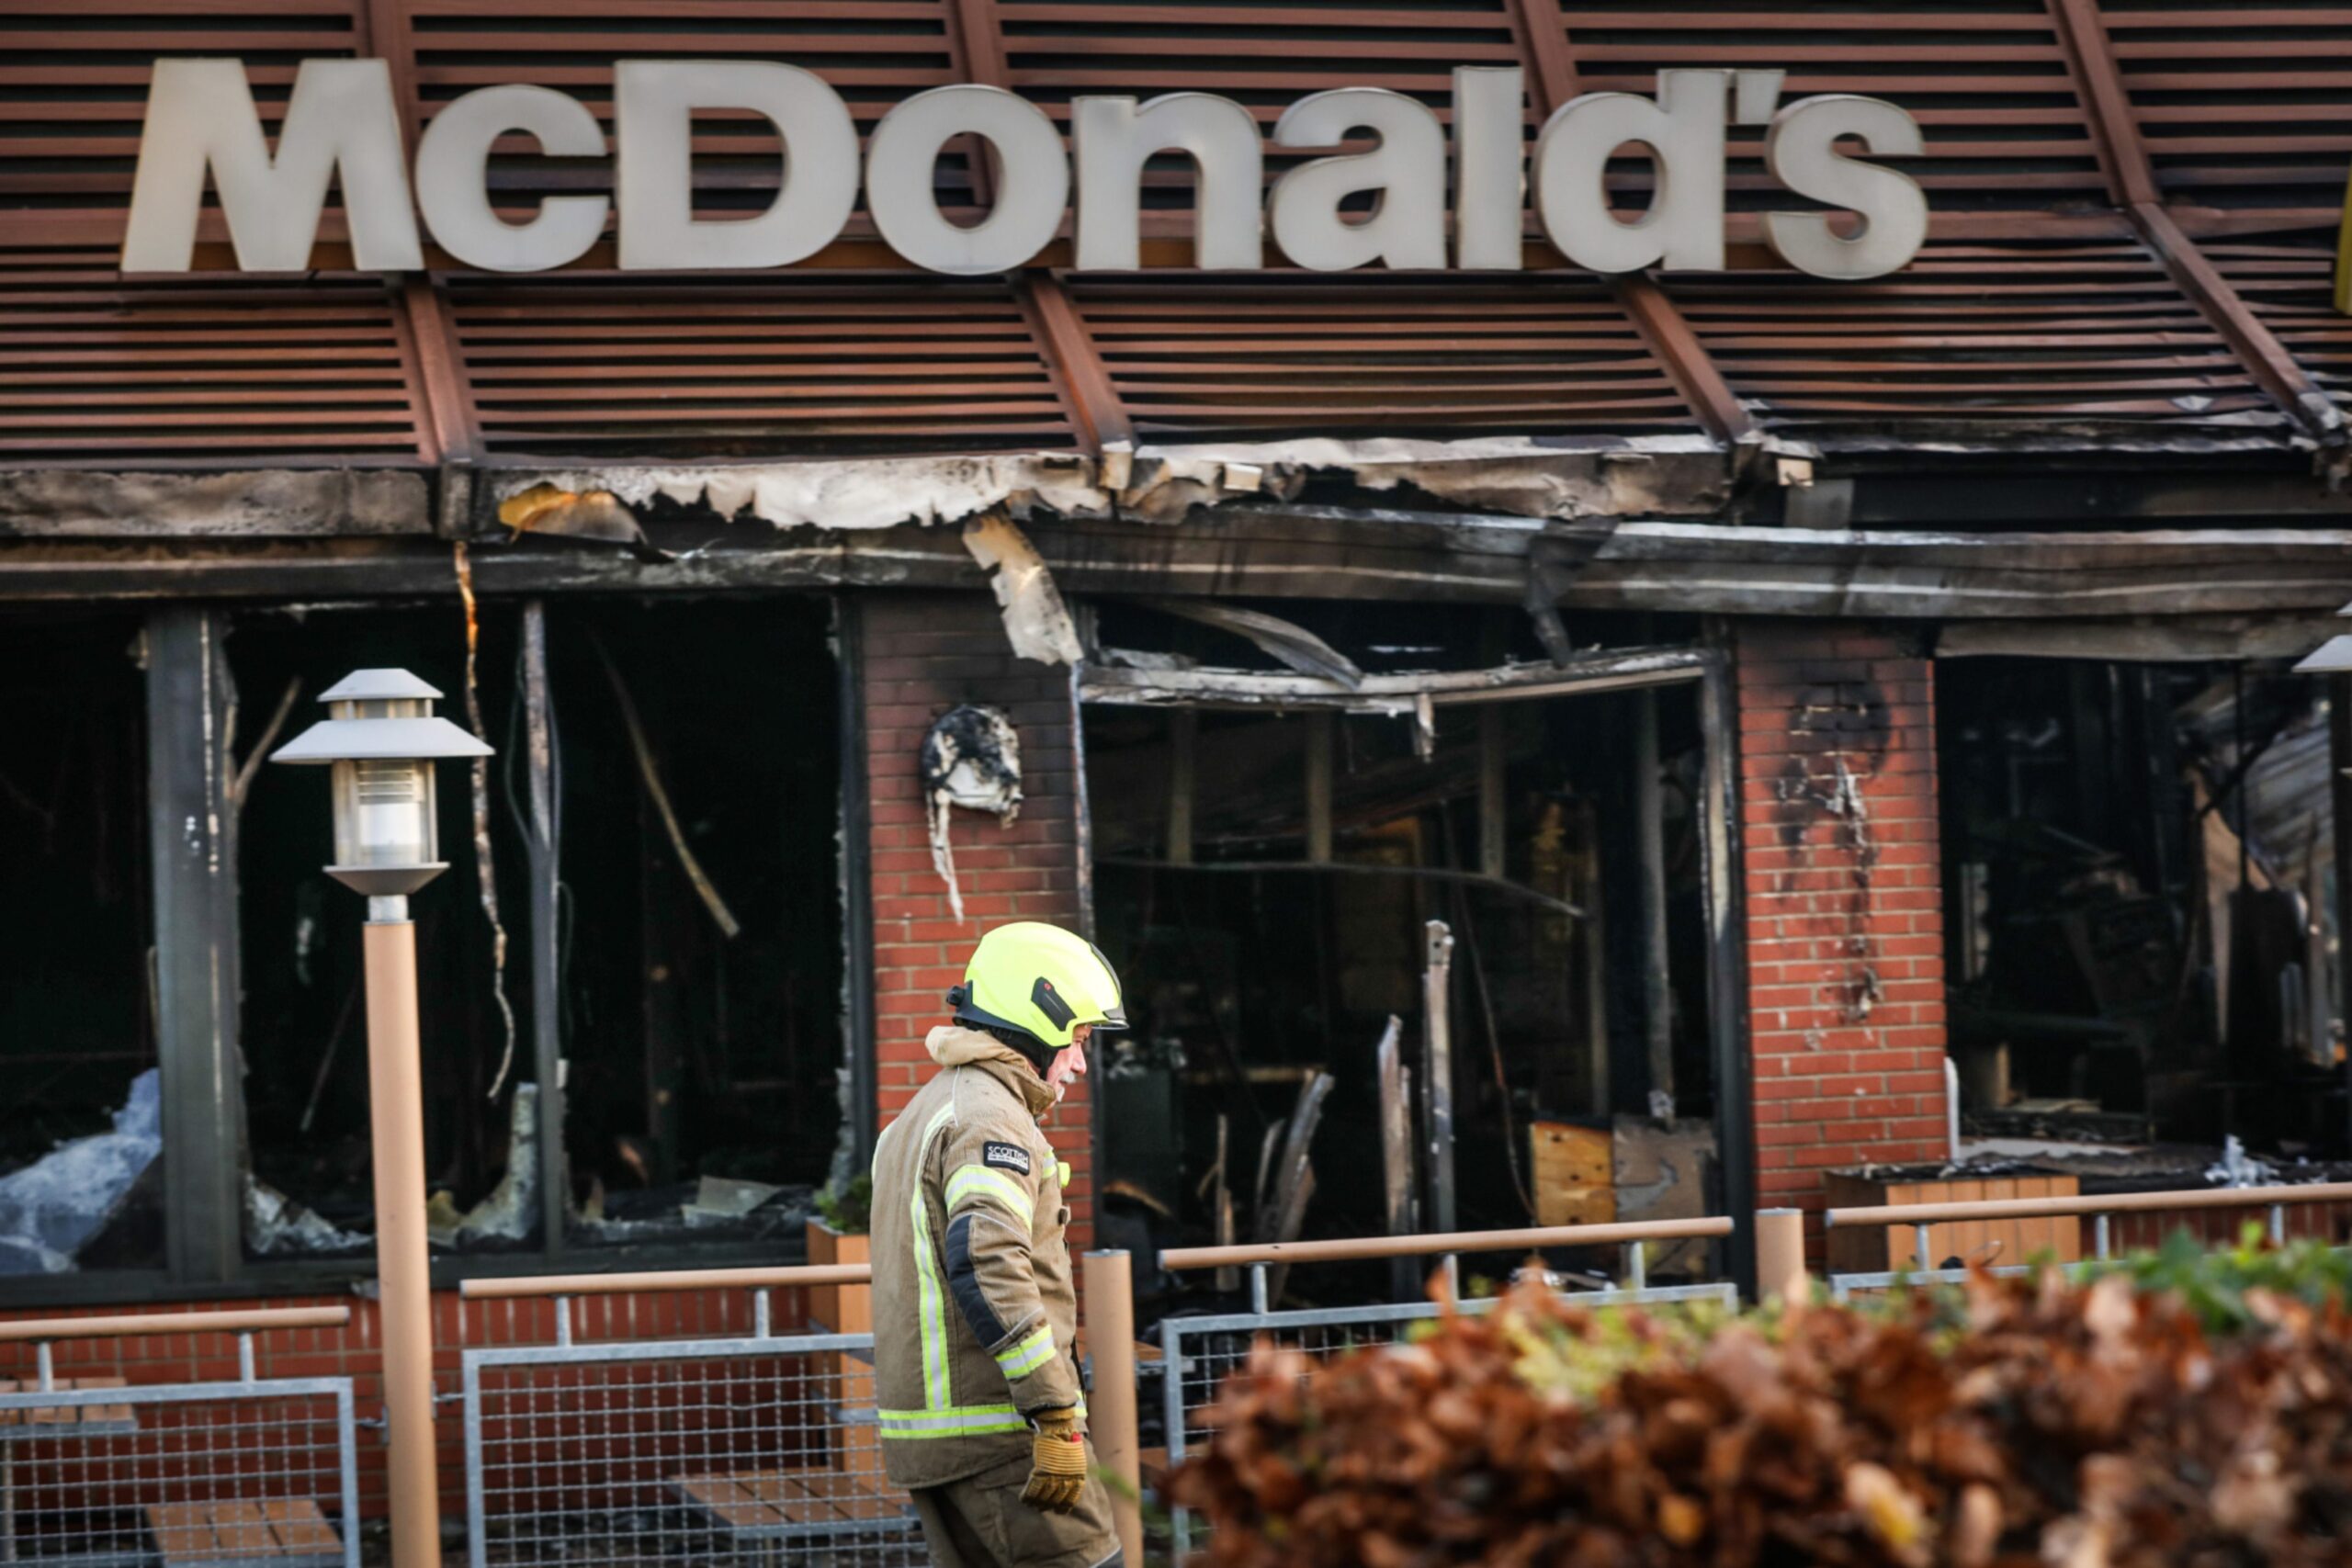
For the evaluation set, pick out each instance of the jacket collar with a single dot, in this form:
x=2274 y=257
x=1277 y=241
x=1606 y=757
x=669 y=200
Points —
x=952 y=1046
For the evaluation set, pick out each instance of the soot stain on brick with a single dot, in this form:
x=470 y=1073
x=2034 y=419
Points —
x=1837 y=717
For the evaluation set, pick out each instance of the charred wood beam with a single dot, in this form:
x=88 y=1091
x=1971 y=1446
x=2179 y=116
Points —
x=192 y=863
x=1396 y=696
x=1719 y=861
x=1321 y=734
x=1553 y=558
x=544 y=932
x=229 y=503
x=1285 y=641
x=1290 y=550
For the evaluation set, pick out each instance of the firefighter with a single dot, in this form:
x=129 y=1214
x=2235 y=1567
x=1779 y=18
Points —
x=975 y=1311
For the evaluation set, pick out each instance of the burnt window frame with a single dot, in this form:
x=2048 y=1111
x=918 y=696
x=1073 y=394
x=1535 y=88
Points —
x=194 y=935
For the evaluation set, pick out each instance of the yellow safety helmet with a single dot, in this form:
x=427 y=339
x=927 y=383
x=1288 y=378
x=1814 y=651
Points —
x=1038 y=980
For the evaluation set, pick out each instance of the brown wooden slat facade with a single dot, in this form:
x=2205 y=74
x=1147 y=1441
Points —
x=1975 y=337
x=2041 y=301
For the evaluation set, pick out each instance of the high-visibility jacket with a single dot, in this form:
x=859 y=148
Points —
x=975 y=1315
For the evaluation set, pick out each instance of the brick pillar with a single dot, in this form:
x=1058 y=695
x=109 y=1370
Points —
x=923 y=654
x=1845 y=907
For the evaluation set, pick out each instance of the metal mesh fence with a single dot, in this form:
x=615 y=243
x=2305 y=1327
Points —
x=97 y=1474
x=758 y=1450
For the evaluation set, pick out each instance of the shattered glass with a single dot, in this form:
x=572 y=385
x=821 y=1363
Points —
x=54 y=1208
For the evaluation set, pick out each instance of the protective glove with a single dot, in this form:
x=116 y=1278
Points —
x=1058 y=1467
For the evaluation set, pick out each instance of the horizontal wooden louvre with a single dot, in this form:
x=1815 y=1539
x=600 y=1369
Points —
x=74 y=77
x=789 y=365
x=1266 y=57
x=1276 y=356
x=222 y=367
x=875 y=54
x=2290 y=282
x=1986 y=80
x=2241 y=105
x=1970 y=337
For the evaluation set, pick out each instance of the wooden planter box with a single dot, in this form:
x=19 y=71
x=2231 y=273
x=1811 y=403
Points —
x=1874 y=1250
x=840 y=1309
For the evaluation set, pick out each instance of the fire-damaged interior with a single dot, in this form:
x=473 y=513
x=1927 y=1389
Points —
x=692 y=758
x=2139 y=876
x=698 y=947
x=1294 y=892
x=80 y=1132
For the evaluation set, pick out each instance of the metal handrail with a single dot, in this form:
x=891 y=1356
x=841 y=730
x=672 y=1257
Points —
x=782 y=1277
x=2093 y=1205
x=1347 y=1250
x=128 y=1325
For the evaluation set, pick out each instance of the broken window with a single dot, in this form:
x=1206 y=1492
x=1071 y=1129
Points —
x=2142 y=913
x=1266 y=871
x=80 y=1126
x=696 y=929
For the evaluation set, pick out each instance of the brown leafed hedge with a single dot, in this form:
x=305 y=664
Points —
x=2024 y=1424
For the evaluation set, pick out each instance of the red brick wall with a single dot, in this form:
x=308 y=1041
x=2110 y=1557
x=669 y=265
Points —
x=355 y=1350
x=923 y=654
x=1845 y=912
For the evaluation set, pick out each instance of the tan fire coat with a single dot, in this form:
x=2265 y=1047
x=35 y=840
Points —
x=975 y=1315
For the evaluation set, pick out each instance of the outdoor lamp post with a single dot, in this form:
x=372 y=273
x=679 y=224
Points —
x=379 y=745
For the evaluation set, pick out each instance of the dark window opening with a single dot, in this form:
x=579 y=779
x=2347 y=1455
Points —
x=2142 y=917
x=1249 y=970
x=80 y=1129
x=700 y=1069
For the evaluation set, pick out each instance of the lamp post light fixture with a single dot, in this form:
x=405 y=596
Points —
x=2333 y=657
x=379 y=743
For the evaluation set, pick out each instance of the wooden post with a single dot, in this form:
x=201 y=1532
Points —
x=1397 y=1147
x=1649 y=836
x=1111 y=1415
x=1591 y=895
x=1492 y=762
x=1183 y=730
x=1319 y=735
x=1779 y=1257
x=2339 y=797
x=547 y=1004
x=1437 y=1069
x=192 y=841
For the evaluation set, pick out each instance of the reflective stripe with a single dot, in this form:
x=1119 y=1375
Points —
x=1020 y=1361
x=1062 y=1170
x=981 y=1182
x=936 y=1393
x=971 y=1420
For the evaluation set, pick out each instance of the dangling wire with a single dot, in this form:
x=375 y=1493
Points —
x=485 y=868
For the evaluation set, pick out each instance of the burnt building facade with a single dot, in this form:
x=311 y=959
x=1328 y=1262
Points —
x=1779 y=685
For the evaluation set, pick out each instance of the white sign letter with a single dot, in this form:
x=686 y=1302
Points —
x=200 y=113
x=453 y=168
x=1406 y=228
x=1489 y=180
x=654 y=101
x=1801 y=151
x=1115 y=139
x=1684 y=132
x=1032 y=183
